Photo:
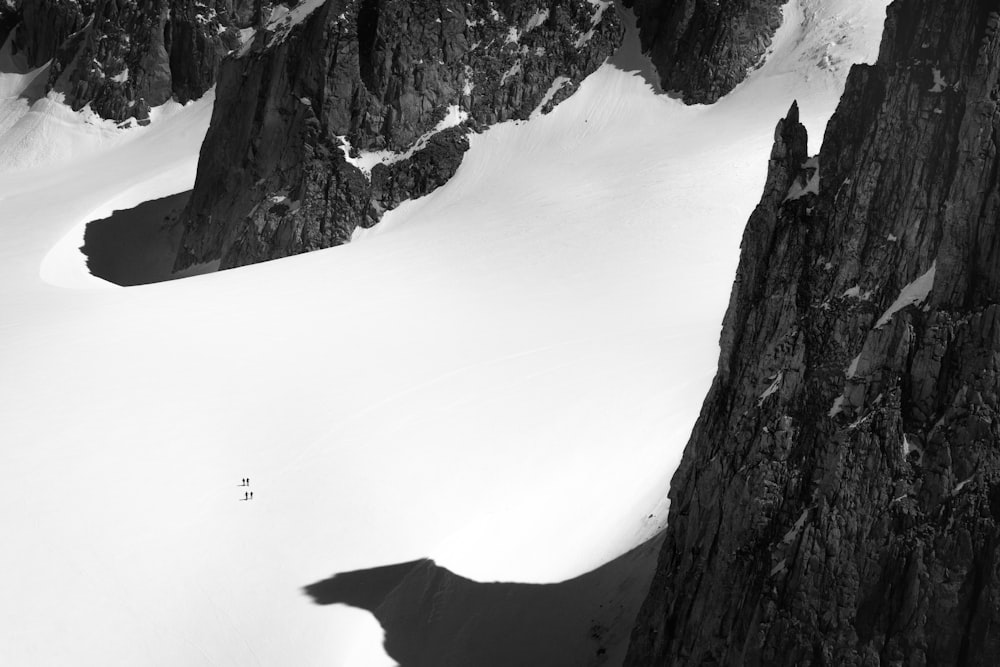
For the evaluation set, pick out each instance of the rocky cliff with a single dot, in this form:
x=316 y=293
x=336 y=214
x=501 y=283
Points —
x=339 y=110
x=838 y=501
x=123 y=56
x=703 y=48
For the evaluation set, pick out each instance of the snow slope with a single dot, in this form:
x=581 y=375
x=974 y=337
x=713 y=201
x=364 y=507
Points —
x=499 y=376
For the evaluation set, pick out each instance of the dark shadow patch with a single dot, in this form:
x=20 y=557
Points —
x=368 y=16
x=365 y=589
x=138 y=246
x=435 y=618
x=33 y=87
x=629 y=56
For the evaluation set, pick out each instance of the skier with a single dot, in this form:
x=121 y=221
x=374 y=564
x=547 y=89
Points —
x=246 y=496
x=251 y=495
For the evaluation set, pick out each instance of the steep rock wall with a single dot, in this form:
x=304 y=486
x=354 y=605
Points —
x=45 y=25
x=10 y=16
x=123 y=56
x=702 y=48
x=278 y=172
x=838 y=501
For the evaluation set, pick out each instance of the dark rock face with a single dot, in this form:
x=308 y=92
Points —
x=325 y=79
x=10 y=16
x=46 y=24
x=838 y=501
x=703 y=48
x=124 y=57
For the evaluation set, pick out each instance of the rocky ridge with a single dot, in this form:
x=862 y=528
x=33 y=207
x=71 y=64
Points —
x=703 y=48
x=838 y=501
x=336 y=111
x=122 y=57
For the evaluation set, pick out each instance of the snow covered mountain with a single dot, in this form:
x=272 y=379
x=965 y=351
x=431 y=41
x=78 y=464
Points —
x=499 y=376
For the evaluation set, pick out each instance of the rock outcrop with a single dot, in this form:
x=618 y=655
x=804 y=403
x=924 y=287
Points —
x=339 y=110
x=123 y=57
x=703 y=48
x=838 y=501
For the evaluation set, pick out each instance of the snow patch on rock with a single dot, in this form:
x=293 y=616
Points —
x=796 y=529
x=961 y=485
x=468 y=85
x=914 y=293
x=600 y=6
x=772 y=390
x=557 y=83
x=852 y=370
x=366 y=160
x=537 y=19
x=855 y=292
x=810 y=184
x=514 y=70
x=939 y=82
x=837 y=407
x=909 y=446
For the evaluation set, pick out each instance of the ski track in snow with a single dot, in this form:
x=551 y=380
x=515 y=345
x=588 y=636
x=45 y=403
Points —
x=500 y=376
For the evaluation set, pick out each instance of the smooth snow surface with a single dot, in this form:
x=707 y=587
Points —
x=500 y=376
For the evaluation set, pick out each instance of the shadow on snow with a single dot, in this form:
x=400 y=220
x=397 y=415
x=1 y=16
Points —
x=138 y=246
x=434 y=618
